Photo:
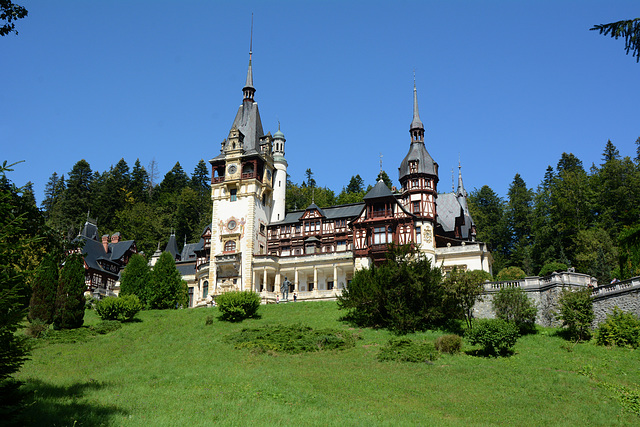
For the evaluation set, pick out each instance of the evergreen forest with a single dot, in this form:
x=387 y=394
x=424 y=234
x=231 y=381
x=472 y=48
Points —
x=586 y=218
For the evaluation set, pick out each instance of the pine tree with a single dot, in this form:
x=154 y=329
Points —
x=140 y=183
x=70 y=299
x=45 y=285
x=76 y=200
x=168 y=290
x=136 y=279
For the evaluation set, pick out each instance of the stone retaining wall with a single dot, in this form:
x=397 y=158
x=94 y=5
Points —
x=546 y=292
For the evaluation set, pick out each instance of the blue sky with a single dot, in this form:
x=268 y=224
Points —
x=506 y=86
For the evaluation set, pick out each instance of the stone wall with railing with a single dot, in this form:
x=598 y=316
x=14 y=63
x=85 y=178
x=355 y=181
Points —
x=546 y=292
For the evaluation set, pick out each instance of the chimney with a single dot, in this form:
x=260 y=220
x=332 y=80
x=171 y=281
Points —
x=115 y=238
x=105 y=242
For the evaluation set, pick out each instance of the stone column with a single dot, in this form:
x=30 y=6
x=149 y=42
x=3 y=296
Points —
x=264 y=277
x=335 y=278
x=315 y=279
x=296 y=283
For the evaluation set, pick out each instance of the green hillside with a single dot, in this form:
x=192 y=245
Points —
x=172 y=368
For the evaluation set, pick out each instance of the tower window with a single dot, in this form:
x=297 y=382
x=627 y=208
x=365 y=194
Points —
x=205 y=289
x=230 y=246
x=233 y=194
x=416 y=207
x=418 y=235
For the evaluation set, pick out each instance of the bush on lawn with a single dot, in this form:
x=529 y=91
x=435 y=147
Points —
x=620 y=329
x=496 y=336
x=513 y=305
x=119 y=308
x=236 y=306
x=450 y=343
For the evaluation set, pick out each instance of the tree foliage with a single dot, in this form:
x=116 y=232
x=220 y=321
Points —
x=44 y=289
x=70 y=301
x=10 y=12
x=402 y=294
x=513 y=305
x=463 y=289
x=167 y=289
x=576 y=312
x=136 y=279
x=629 y=29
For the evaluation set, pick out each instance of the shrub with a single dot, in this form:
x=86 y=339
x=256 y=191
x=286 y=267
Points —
x=496 y=336
x=463 y=289
x=406 y=350
x=167 y=289
x=36 y=328
x=550 y=267
x=620 y=329
x=108 y=308
x=513 y=305
x=450 y=343
x=576 y=312
x=292 y=339
x=403 y=294
x=236 y=306
x=510 y=273
x=107 y=326
x=130 y=305
x=115 y=308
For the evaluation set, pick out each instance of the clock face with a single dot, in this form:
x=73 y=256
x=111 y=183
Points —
x=231 y=225
x=232 y=169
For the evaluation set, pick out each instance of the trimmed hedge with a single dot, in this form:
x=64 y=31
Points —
x=236 y=306
x=119 y=308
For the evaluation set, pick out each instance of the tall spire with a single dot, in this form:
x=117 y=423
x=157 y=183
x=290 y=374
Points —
x=461 y=191
x=417 y=128
x=248 y=90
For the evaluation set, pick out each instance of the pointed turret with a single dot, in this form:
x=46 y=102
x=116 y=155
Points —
x=248 y=90
x=461 y=192
x=417 y=128
x=417 y=160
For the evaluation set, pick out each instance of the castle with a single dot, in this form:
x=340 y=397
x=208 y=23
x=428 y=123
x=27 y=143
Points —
x=253 y=244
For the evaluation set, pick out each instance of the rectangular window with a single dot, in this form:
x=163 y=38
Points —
x=416 y=207
x=341 y=246
x=330 y=285
x=262 y=228
x=418 y=235
x=233 y=194
x=379 y=235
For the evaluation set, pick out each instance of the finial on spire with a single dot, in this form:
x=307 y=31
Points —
x=380 y=163
x=417 y=128
x=248 y=90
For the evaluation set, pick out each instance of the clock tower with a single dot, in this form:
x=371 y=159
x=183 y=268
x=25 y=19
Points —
x=242 y=188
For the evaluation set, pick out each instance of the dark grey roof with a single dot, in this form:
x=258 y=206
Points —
x=188 y=250
x=119 y=249
x=172 y=246
x=90 y=231
x=333 y=212
x=92 y=251
x=448 y=210
x=380 y=190
x=426 y=165
x=313 y=206
x=186 y=268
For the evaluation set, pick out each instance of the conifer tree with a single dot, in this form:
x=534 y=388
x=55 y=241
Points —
x=70 y=299
x=136 y=279
x=168 y=290
x=45 y=286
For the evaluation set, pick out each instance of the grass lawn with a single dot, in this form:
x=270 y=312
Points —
x=170 y=368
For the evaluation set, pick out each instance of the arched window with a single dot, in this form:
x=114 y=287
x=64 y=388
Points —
x=205 y=289
x=230 y=246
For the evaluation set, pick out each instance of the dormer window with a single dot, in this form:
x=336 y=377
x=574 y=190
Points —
x=413 y=166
